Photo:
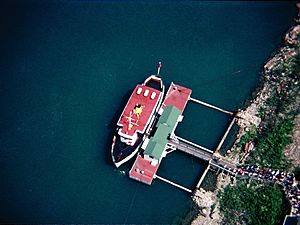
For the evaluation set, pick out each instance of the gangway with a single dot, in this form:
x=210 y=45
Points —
x=190 y=149
x=224 y=167
x=191 y=143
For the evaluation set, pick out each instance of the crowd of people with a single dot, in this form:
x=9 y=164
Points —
x=286 y=180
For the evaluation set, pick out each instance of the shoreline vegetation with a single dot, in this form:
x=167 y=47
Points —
x=267 y=137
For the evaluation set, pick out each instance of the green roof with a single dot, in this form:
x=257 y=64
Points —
x=161 y=133
x=154 y=149
x=165 y=125
x=169 y=116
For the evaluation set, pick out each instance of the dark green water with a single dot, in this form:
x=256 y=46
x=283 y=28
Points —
x=65 y=68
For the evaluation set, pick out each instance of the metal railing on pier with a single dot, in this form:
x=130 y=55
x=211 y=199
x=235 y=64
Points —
x=211 y=106
x=173 y=183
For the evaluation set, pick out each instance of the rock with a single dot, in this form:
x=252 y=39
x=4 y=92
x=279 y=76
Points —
x=205 y=200
x=292 y=151
x=204 y=211
x=247 y=118
x=292 y=36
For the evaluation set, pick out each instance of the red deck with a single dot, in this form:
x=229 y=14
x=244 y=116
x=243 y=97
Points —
x=135 y=120
x=177 y=96
x=142 y=170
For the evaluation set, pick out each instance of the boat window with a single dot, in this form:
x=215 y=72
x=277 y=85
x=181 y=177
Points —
x=146 y=93
x=139 y=90
x=153 y=95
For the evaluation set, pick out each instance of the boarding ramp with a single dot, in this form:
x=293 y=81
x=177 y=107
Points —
x=190 y=148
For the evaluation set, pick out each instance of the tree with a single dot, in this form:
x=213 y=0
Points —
x=257 y=205
x=271 y=144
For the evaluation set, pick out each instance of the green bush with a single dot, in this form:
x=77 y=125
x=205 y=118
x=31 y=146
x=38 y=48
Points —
x=253 y=205
x=249 y=136
x=270 y=145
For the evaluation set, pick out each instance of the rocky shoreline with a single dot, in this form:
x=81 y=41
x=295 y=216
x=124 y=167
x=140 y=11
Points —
x=277 y=83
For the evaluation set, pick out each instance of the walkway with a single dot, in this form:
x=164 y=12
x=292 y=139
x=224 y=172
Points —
x=191 y=149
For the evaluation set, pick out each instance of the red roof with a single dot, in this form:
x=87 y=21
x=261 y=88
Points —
x=177 y=96
x=142 y=170
x=138 y=118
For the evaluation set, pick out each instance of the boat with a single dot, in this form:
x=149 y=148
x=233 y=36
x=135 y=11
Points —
x=137 y=118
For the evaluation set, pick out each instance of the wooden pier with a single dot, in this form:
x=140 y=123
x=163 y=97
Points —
x=211 y=106
x=145 y=167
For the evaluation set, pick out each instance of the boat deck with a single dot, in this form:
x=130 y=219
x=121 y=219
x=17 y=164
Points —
x=138 y=110
x=142 y=170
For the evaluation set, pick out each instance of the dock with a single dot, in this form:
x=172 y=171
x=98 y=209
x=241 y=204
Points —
x=164 y=141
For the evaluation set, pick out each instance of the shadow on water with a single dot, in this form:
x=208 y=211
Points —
x=13 y=20
x=187 y=216
x=111 y=128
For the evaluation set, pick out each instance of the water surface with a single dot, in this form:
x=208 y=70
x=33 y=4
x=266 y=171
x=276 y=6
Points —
x=65 y=69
